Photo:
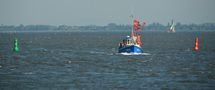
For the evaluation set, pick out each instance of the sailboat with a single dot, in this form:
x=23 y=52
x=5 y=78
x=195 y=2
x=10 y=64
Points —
x=132 y=44
x=172 y=27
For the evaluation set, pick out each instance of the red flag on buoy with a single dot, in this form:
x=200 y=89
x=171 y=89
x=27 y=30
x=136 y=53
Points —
x=196 y=46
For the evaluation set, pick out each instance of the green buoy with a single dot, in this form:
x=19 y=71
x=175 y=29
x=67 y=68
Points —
x=16 y=45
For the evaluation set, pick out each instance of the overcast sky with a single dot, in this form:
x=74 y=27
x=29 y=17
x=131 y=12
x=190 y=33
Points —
x=102 y=12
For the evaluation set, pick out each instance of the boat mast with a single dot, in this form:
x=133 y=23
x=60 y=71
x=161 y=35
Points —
x=172 y=28
x=132 y=26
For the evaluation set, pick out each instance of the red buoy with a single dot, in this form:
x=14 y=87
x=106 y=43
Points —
x=196 y=46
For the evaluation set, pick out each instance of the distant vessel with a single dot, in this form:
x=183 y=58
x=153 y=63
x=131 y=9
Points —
x=132 y=44
x=172 y=27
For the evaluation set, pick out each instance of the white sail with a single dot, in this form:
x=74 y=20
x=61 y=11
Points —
x=172 y=27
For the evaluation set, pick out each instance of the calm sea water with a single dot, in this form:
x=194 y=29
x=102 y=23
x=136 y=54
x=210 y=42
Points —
x=89 y=61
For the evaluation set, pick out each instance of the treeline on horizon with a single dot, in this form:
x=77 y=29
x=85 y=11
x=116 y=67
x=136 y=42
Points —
x=109 y=27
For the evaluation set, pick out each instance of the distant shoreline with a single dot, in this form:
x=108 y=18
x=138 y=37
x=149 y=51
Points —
x=55 y=31
x=109 y=27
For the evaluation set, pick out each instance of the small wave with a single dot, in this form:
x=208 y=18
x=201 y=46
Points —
x=18 y=57
x=146 y=53
x=101 y=53
x=95 y=52
x=28 y=73
x=62 y=50
x=40 y=49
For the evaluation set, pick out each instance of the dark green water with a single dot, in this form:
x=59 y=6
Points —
x=89 y=61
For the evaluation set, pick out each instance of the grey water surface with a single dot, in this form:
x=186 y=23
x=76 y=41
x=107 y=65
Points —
x=89 y=61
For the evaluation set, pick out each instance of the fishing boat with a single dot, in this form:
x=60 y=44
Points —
x=132 y=44
x=172 y=27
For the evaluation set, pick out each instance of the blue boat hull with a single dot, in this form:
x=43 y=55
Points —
x=131 y=49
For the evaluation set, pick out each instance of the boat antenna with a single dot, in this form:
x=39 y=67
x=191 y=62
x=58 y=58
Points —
x=132 y=18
